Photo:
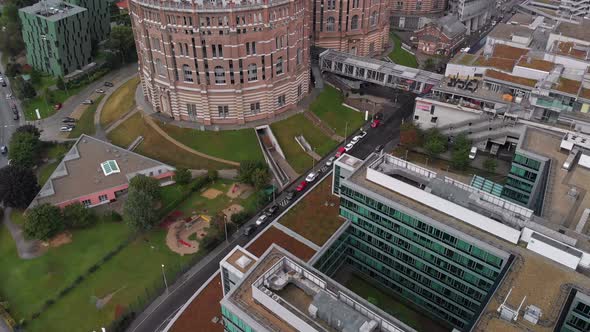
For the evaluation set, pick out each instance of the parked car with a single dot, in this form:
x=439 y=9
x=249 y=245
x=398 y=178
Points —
x=3 y=83
x=4 y=149
x=15 y=116
x=261 y=220
x=378 y=148
x=9 y=96
x=340 y=151
x=472 y=152
x=57 y=106
x=290 y=195
x=330 y=161
x=14 y=109
x=100 y=91
x=348 y=146
x=311 y=177
x=109 y=84
x=249 y=230
x=301 y=186
x=66 y=129
x=88 y=102
x=363 y=134
x=375 y=123
x=68 y=120
x=271 y=210
x=355 y=139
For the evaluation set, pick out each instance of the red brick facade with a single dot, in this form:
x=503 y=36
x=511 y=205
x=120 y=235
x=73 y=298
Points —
x=432 y=40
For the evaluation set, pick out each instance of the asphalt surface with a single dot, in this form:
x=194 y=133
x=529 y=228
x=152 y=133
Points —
x=7 y=123
x=159 y=313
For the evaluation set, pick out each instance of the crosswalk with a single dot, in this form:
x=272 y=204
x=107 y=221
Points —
x=284 y=203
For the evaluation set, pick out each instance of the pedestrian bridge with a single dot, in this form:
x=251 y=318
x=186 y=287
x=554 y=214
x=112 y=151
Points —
x=379 y=72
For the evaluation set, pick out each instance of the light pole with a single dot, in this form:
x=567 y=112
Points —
x=164 y=276
x=225 y=226
x=345 y=132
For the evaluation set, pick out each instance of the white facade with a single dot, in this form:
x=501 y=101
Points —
x=431 y=113
x=541 y=245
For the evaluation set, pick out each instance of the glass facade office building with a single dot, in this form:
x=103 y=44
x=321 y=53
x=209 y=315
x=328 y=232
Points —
x=577 y=313
x=526 y=180
x=441 y=270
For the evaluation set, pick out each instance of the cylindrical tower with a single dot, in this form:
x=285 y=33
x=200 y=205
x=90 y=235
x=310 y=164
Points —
x=222 y=62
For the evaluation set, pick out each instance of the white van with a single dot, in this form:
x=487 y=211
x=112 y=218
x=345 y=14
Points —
x=472 y=152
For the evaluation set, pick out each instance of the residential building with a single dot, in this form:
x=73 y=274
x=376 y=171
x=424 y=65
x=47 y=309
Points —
x=474 y=14
x=441 y=37
x=224 y=62
x=56 y=36
x=234 y=267
x=414 y=14
x=356 y=27
x=95 y=172
x=99 y=14
x=576 y=315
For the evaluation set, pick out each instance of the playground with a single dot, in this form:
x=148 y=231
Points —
x=180 y=237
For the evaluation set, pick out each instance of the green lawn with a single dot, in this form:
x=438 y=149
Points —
x=55 y=150
x=285 y=132
x=328 y=107
x=157 y=147
x=235 y=145
x=119 y=103
x=85 y=124
x=397 y=308
x=401 y=56
x=45 y=108
x=45 y=172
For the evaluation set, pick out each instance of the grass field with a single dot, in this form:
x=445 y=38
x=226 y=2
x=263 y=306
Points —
x=157 y=147
x=119 y=103
x=285 y=132
x=45 y=108
x=388 y=303
x=328 y=107
x=312 y=218
x=401 y=56
x=45 y=172
x=235 y=145
x=85 y=124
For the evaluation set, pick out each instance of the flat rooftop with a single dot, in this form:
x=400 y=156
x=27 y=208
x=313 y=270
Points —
x=53 y=10
x=505 y=31
x=578 y=30
x=282 y=293
x=241 y=260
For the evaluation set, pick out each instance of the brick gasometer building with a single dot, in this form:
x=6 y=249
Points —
x=359 y=27
x=222 y=62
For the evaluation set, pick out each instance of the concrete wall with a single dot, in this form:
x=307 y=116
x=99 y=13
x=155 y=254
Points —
x=445 y=114
x=463 y=71
x=553 y=253
x=273 y=139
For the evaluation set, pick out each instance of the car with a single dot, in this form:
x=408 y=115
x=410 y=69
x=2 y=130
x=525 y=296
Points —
x=340 y=151
x=249 y=230
x=261 y=220
x=375 y=123
x=3 y=83
x=68 y=120
x=100 y=91
x=271 y=210
x=301 y=186
x=378 y=116
x=9 y=96
x=290 y=195
x=57 y=106
x=66 y=129
x=109 y=84
x=355 y=139
x=4 y=149
x=15 y=116
x=378 y=148
x=14 y=109
x=330 y=161
x=473 y=152
x=88 y=102
x=311 y=177
x=349 y=146
x=363 y=134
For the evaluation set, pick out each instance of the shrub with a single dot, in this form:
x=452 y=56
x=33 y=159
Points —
x=241 y=217
x=43 y=222
x=78 y=216
x=182 y=176
x=115 y=216
x=213 y=175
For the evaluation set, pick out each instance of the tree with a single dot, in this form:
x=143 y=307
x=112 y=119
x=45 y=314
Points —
x=43 y=222
x=78 y=216
x=182 y=176
x=121 y=39
x=248 y=171
x=18 y=186
x=24 y=149
x=35 y=77
x=11 y=40
x=409 y=135
x=29 y=128
x=60 y=84
x=145 y=184
x=430 y=64
x=29 y=91
x=490 y=165
x=260 y=178
x=13 y=69
x=48 y=96
x=434 y=142
x=460 y=153
x=139 y=211
x=112 y=60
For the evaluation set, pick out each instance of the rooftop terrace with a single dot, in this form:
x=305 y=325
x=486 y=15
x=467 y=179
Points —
x=53 y=10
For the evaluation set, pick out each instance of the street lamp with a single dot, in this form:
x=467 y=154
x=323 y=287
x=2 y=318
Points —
x=225 y=226
x=164 y=276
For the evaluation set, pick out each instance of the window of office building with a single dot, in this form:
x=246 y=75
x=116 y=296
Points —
x=223 y=111
x=219 y=75
x=279 y=66
x=188 y=73
x=252 y=72
x=281 y=100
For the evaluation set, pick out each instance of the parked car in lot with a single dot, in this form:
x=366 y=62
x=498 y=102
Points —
x=4 y=149
x=109 y=84
x=249 y=230
x=68 y=120
x=261 y=220
x=311 y=177
x=57 y=106
x=271 y=211
x=301 y=186
x=88 y=102
x=340 y=151
x=472 y=152
x=378 y=148
x=375 y=123
x=66 y=129
x=330 y=161
x=100 y=91
x=348 y=146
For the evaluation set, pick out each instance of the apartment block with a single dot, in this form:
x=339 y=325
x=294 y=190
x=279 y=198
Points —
x=99 y=12
x=56 y=36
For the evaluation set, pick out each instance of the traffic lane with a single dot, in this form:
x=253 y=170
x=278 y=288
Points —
x=7 y=123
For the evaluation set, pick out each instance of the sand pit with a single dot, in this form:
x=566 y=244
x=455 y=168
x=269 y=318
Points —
x=232 y=209
x=179 y=232
x=59 y=240
x=211 y=193
x=239 y=189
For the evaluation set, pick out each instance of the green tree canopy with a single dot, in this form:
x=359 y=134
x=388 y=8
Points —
x=460 y=152
x=18 y=186
x=78 y=216
x=43 y=222
x=145 y=184
x=24 y=149
x=434 y=142
x=29 y=128
x=182 y=176
x=139 y=210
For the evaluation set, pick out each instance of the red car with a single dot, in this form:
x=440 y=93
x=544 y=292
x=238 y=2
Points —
x=341 y=150
x=375 y=123
x=301 y=186
x=57 y=107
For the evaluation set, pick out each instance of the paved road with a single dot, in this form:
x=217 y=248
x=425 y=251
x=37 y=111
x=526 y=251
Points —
x=7 y=122
x=158 y=314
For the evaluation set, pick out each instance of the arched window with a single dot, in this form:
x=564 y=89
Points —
x=373 y=19
x=188 y=73
x=160 y=68
x=279 y=66
x=299 y=56
x=219 y=75
x=330 y=24
x=354 y=22
x=252 y=72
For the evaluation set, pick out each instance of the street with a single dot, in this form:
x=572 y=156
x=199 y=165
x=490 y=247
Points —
x=7 y=123
x=156 y=316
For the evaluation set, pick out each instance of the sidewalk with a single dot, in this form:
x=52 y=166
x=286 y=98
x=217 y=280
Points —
x=26 y=249
x=99 y=130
